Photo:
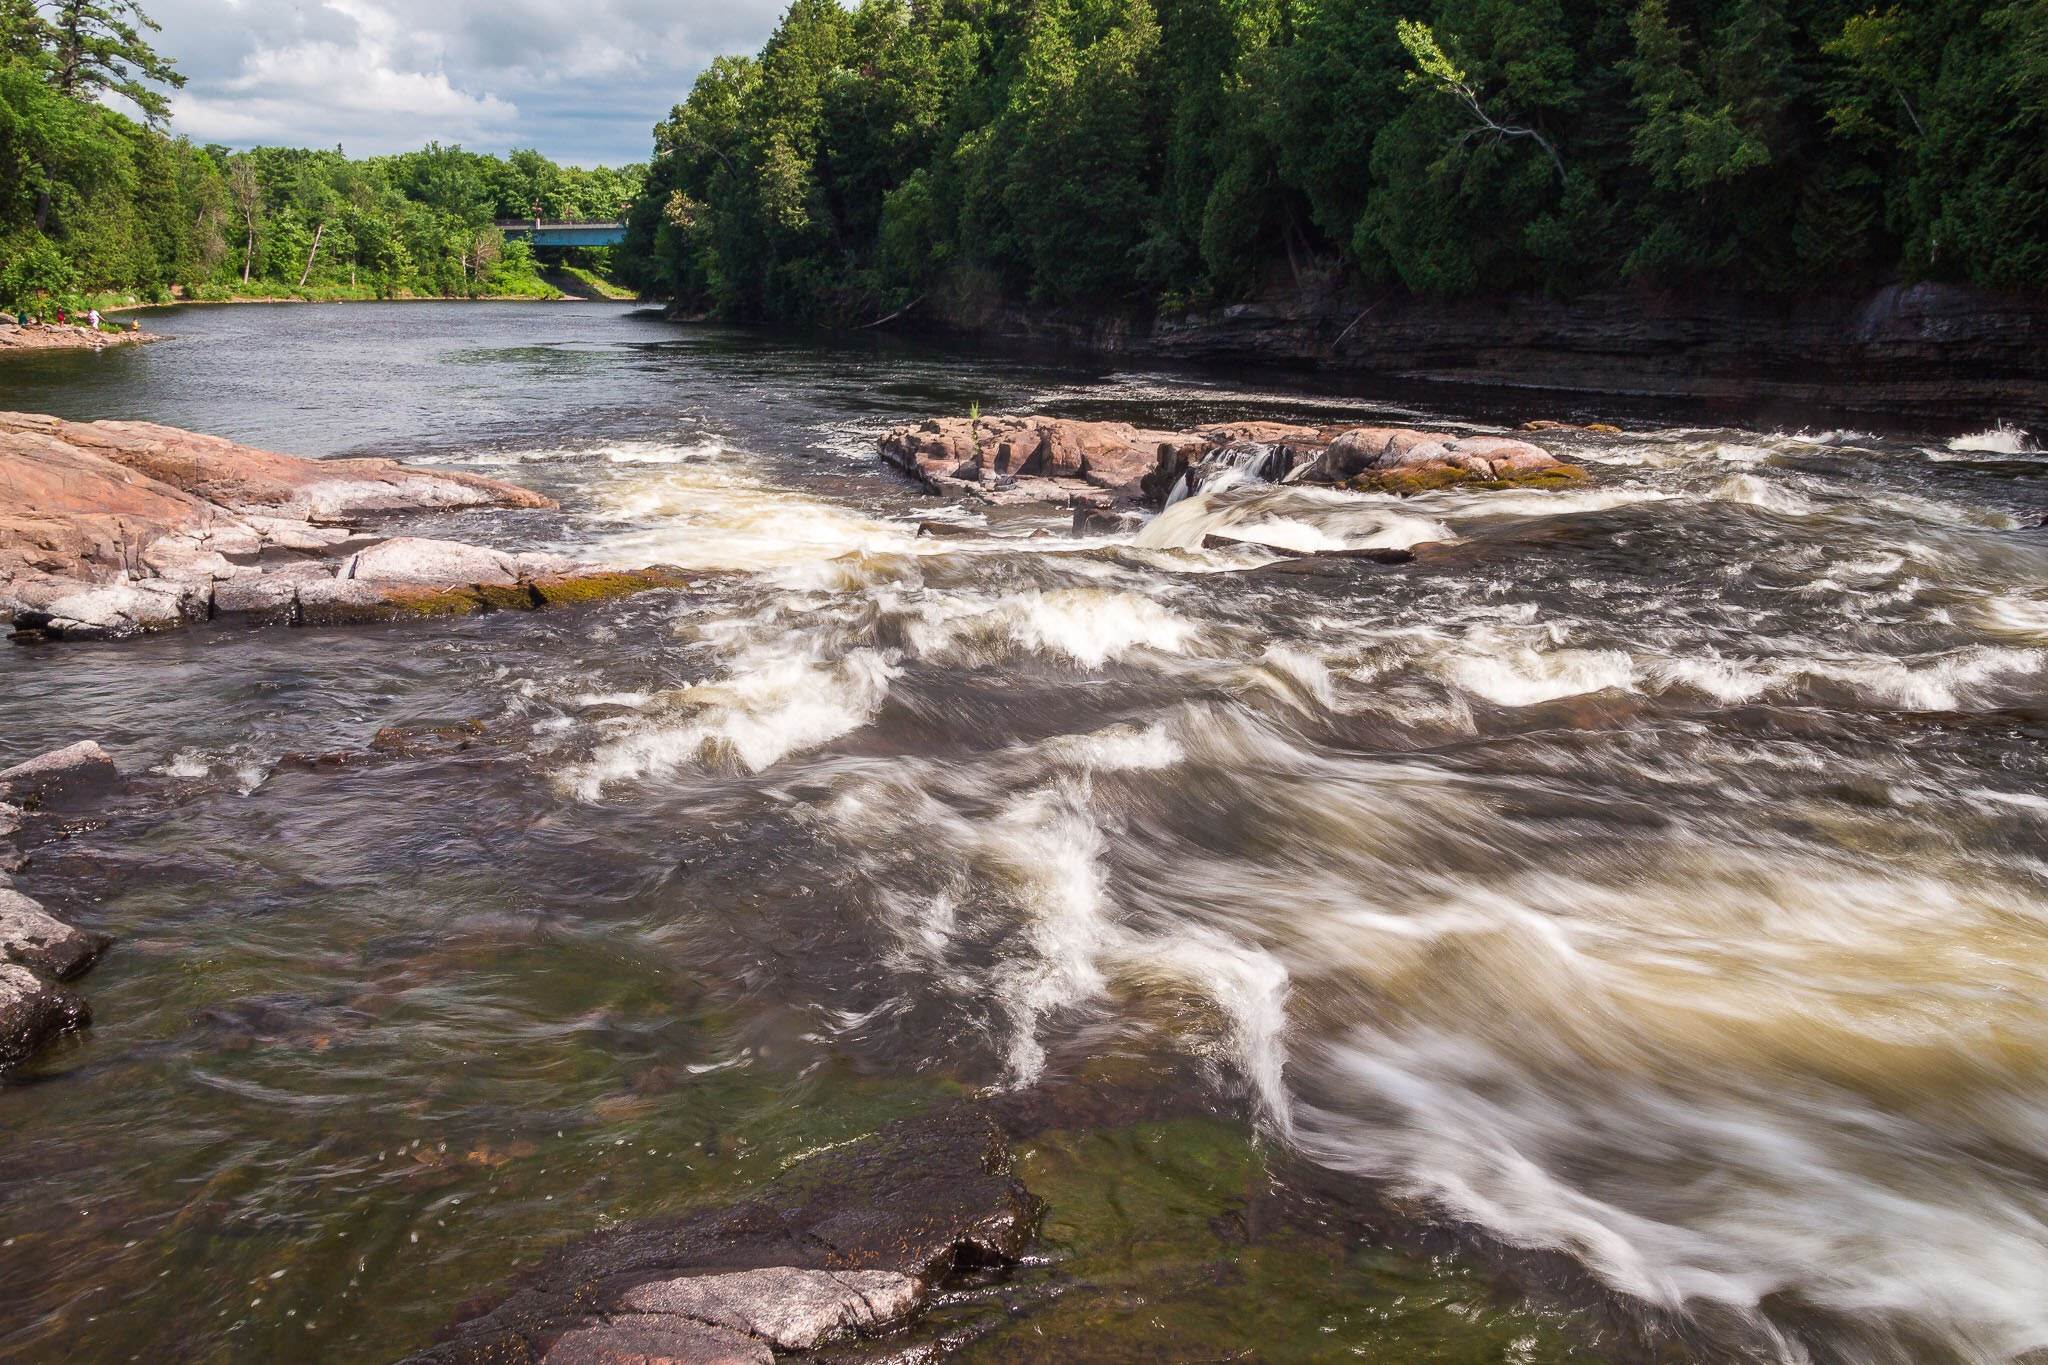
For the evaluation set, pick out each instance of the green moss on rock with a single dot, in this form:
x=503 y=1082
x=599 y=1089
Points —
x=1433 y=478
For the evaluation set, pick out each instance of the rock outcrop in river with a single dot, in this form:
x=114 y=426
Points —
x=1104 y=468
x=108 y=529
x=37 y=950
x=852 y=1242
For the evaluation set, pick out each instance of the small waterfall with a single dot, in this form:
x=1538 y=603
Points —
x=1240 y=462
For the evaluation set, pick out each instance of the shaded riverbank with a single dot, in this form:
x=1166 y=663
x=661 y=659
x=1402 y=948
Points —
x=1925 y=355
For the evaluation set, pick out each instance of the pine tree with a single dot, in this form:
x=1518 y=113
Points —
x=99 y=47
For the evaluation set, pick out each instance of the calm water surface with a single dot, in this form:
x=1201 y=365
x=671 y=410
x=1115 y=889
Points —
x=1652 y=873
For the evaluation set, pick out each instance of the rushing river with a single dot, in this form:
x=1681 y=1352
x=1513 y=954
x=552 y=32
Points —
x=1652 y=873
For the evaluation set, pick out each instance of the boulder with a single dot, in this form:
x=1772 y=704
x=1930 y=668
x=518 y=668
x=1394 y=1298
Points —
x=32 y=1013
x=247 y=479
x=850 y=1241
x=974 y=455
x=1363 y=448
x=34 y=939
x=654 y=1339
x=795 y=1310
x=62 y=610
x=75 y=771
x=412 y=559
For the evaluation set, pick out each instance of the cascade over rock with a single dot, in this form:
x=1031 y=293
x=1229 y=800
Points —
x=1104 y=470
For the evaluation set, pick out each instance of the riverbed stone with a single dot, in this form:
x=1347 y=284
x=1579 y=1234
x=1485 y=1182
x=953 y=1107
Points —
x=33 y=1012
x=73 y=772
x=889 y=1217
x=32 y=937
x=418 y=560
x=653 y=1339
x=790 y=1308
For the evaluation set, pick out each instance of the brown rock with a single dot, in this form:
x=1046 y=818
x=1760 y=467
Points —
x=34 y=939
x=653 y=1339
x=74 y=772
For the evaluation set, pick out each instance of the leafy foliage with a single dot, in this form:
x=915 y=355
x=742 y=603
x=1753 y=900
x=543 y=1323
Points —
x=1133 y=153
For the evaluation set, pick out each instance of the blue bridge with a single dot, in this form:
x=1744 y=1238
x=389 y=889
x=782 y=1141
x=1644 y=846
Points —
x=550 y=232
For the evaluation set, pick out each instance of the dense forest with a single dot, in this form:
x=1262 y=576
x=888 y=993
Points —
x=93 y=201
x=1162 y=153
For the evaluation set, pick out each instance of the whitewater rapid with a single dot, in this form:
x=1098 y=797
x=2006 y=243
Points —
x=1650 y=872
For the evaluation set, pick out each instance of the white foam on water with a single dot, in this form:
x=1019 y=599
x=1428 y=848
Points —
x=1999 y=440
x=1088 y=627
x=241 y=770
x=1944 y=682
x=1749 y=490
x=1536 y=502
x=716 y=515
x=780 y=697
x=1304 y=519
x=2016 y=613
x=1707 y=1081
x=1495 y=665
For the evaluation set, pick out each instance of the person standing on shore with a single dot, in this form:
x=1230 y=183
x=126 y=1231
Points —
x=93 y=316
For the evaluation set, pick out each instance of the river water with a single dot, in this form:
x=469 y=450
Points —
x=1651 y=873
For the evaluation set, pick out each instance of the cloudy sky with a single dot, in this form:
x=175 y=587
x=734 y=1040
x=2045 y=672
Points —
x=583 y=80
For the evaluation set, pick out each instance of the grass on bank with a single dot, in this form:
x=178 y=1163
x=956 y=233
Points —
x=598 y=284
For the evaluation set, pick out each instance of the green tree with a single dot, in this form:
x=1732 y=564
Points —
x=99 y=47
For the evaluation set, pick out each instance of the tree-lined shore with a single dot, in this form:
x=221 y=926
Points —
x=1166 y=154
x=98 y=204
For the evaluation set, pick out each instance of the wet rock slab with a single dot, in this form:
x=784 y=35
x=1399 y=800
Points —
x=33 y=1012
x=849 y=1243
x=32 y=938
x=112 y=529
x=38 y=950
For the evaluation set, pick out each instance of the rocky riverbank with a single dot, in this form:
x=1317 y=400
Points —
x=110 y=529
x=1928 y=353
x=50 y=336
x=37 y=950
x=1108 y=472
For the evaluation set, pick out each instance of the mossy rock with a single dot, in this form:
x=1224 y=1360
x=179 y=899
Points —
x=370 y=603
x=561 y=590
x=1434 y=478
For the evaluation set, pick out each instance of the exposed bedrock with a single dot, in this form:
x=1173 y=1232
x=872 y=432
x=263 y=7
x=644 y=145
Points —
x=109 y=529
x=38 y=950
x=1106 y=471
x=849 y=1243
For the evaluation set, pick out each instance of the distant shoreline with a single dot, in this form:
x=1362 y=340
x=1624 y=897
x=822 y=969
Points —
x=287 y=298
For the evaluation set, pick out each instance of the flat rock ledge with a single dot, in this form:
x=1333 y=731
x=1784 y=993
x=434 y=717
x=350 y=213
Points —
x=38 y=950
x=849 y=1243
x=1107 y=471
x=50 y=336
x=111 y=529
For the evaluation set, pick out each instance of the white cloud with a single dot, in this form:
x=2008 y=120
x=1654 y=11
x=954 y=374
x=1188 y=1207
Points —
x=583 y=80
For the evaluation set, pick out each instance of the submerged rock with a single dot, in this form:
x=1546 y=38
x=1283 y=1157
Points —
x=849 y=1242
x=112 y=529
x=31 y=937
x=33 y=1011
x=78 y=770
